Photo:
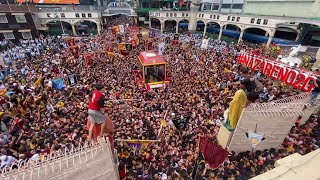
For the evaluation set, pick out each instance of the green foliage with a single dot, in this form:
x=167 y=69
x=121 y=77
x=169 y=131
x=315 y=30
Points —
x=306 y=62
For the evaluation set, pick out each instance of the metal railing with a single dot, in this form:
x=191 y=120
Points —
x=283 y=107
x=60 y=165
x=68 y=8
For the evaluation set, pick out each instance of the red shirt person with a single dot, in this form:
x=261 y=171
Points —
x=95 y=106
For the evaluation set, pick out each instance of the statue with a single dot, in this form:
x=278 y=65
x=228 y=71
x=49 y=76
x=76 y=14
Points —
x=292 y=59
x=294 y=51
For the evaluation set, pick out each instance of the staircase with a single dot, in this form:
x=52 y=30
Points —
x=83 y=163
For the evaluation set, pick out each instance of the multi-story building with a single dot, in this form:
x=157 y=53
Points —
x=17 y=22
x=223 y=6
x=296 y=8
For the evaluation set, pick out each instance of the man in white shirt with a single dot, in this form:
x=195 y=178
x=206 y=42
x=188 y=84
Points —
x=7 y=161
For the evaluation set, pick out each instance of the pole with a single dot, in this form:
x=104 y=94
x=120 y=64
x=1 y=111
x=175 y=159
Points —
x=61 y=26
x=9 y=6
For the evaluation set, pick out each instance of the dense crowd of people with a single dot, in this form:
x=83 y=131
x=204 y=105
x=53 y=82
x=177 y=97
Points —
x=37 y=118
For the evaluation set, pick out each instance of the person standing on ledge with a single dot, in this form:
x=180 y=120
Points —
x=237 y=104
x=95 y=106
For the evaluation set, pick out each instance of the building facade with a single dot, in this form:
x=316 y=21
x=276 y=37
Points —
x=17 y=22
x=290 y=8
x=223 y=6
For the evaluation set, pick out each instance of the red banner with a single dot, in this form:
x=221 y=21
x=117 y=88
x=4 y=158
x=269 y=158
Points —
x=278 y=71
x=88 y=58
x=213 y=154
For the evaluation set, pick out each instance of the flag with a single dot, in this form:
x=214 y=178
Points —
x=72 y=80
x=175 y=39
x=115 y=30
x=121 y=47
x=137 y=145
x=255 y=138
x=161 y=48
x=128 y=47
x=213 y=154
x=58 y=83
x=181 y=121
x=204 y=44
x=88 y=59
x=198 y=167
x=121 y=28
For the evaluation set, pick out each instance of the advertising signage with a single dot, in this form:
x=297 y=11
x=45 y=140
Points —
x=51 y=1
x=278 y=71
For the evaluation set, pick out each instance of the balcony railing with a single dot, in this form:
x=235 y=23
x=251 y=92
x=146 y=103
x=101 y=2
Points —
x=68 y=8
x=17 y=8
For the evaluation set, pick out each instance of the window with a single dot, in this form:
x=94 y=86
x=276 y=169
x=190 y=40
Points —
x=77 y=15
x=226 y=6
x=265 y=21
x=3 y=19
x=49 y=15
x=89 y=15
x=292 y=23
x=182 y=14
x=215 y=7
x=252 y=20
x=233 y=18
x=187 y=14
x=202 y=15
x=218 y=16
x=199 y=15
x=258 y=21
x=26 y=35
x=238 y=19
x=83 y=15
x=237 y=6
x=210 y=16
x=175 y=14
x=21 y=18
x=167 y=14
x=207 y=7
x=170 y=14
x=8 y=35
x=214 y=16
x=228 y=18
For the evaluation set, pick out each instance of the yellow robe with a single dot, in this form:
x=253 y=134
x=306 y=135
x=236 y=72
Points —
x=236 y=107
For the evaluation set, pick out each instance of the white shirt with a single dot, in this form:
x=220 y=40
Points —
x=7 y=161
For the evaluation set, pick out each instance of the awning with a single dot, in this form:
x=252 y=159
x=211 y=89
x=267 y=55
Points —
x=24 y=30
x=6 y=31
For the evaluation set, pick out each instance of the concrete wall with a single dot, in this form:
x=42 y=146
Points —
x=292 y=8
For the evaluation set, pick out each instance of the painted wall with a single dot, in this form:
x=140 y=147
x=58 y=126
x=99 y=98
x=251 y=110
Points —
x=293 y=8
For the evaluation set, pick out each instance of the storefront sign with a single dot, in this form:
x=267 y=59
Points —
x=278 y=71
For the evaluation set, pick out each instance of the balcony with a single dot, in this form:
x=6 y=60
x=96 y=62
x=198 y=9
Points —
x=68 y=8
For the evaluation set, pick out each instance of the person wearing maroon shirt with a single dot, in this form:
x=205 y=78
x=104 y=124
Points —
x=95 y=106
